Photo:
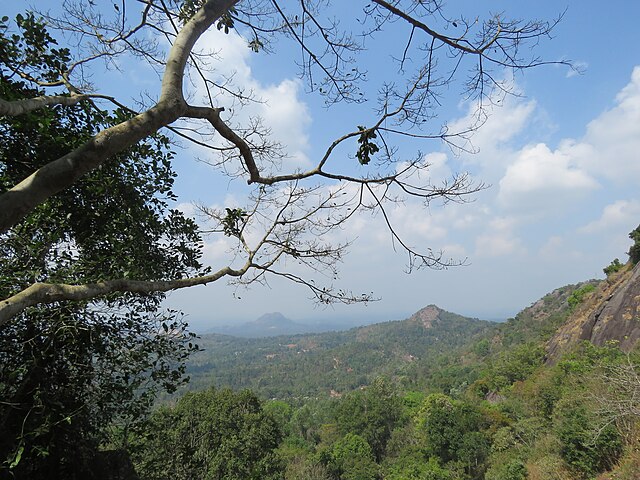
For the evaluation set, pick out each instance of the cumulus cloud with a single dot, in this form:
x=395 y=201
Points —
x=499 y=239
x=433 y=169
x=612 y=141
x=540 y=178
x=622 y=213
x=279 y=105
x=503 y=123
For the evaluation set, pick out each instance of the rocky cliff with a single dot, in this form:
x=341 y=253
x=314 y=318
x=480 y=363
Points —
x=610 y=313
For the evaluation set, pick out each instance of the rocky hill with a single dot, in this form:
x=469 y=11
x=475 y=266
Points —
x=610 y=313
x=331 y=363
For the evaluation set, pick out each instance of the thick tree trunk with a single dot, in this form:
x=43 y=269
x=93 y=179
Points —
x=20 y=200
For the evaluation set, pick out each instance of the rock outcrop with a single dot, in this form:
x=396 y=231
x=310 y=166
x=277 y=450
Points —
x=610 y=313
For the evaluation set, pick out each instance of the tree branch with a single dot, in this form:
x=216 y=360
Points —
x=18 y=201
x=26 y=105
x=47 y=293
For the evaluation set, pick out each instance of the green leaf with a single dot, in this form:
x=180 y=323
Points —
x=17 y=458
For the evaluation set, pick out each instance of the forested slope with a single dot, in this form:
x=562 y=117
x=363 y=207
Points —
x=439 y=396
x=319 y=364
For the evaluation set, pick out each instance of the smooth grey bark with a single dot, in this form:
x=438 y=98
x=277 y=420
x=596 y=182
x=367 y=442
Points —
x=47 y=293
x=25 y=105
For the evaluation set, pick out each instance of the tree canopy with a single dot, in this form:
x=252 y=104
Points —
x=72 y=374
x=287 y=214
x=634 y=250
x=210 y=434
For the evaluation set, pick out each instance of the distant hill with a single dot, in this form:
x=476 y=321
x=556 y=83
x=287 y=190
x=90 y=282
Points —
x=268 y=325
x=330 y=363
x=275 y=324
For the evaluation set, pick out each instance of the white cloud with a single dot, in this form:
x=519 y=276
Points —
x=433 y=169
x=279 y=105
x=540 y=178
x=187 y=208
x=490 y=142
x=620 y=214
x=216 y=251
x=497 y=244
x=499 y=239
x=552 y=247
x=612 y=141
x=455 y=251
x=578 y=68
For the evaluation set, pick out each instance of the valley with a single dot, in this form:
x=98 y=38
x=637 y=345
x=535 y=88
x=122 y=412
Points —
x=442 y=396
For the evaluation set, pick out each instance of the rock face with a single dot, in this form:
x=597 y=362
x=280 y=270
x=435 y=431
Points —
x=620 y=316
x=611 y=313
x=426 y=316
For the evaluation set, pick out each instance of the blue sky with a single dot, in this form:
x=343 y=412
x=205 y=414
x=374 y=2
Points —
x=562 y=159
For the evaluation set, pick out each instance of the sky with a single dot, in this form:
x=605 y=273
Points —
x=562 y=161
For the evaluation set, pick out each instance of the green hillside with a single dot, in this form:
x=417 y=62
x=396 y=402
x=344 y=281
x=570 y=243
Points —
x=435 y=396
x=316 y=365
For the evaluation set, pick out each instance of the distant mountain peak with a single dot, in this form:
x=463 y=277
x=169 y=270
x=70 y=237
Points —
x=427 y=315
x=267 y=325
x=272 y=319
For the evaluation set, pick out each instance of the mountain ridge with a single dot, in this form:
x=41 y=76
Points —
x=276 y=324
x=611 y=313
x=340 y=360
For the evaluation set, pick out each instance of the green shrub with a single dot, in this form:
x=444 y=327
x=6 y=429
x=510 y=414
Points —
x=613 y=267
x=585 y=447
x=634 y=251
x=512 y=470
x=577 y=297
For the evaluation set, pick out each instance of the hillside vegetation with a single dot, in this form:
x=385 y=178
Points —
x=318 y=365
x=440 y=396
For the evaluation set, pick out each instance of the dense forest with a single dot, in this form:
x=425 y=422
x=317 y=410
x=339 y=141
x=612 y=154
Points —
x=488 y=402
x=313 y=365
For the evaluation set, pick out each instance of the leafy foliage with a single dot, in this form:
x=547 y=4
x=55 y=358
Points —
x=367 y=147
x=232 y=222
x=634 y=250
x=452 y=430
x=209 y=434
x=613 y=267
x=70 y=372
x=587 y=448
x=352 y=458
x=372 y=413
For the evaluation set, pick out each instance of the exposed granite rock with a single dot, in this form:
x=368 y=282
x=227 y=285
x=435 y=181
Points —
x=610 y=313
x=426 y=316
